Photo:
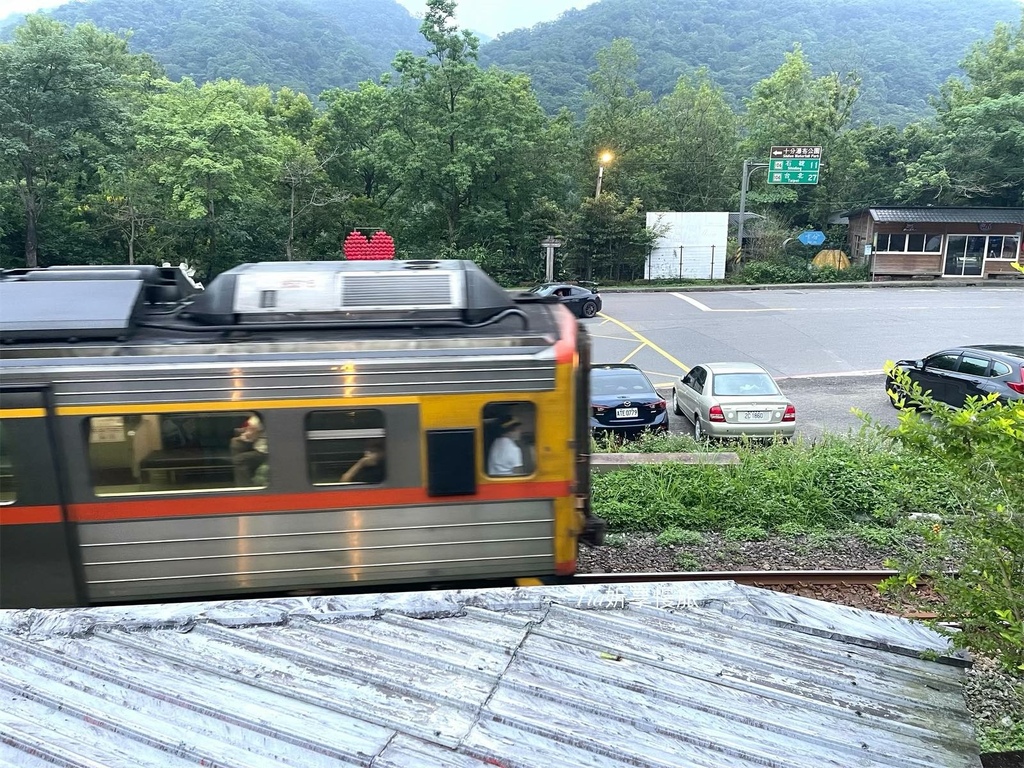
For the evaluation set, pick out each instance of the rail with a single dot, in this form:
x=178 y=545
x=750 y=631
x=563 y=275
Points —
x=774 y=578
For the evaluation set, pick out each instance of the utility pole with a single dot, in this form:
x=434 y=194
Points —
x=748 y=168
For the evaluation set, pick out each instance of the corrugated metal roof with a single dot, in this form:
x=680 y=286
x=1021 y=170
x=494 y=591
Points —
x=695 y=674
x=947 y=215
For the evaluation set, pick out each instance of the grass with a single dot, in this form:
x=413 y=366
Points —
x=680 y=536
x=839 y=483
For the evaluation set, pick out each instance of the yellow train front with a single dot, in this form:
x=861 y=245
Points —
x=293 y=427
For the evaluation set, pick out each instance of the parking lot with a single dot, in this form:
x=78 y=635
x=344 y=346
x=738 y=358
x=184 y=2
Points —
x=826 y=348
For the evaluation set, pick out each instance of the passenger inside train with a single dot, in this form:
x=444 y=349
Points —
x=249 y=452
x=370 y=466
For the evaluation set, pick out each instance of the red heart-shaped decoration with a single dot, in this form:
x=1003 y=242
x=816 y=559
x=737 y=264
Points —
x=382 y=246
x=356 y=247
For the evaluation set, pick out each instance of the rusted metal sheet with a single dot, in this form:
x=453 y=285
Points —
x=696 y=674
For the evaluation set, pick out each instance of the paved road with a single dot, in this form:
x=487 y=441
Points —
x=827 y=348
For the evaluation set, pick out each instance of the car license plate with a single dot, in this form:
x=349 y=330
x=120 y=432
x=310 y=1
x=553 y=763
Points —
x=755 y=415
x=626 y=413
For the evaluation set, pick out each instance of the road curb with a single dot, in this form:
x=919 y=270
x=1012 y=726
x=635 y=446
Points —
x=987 y=283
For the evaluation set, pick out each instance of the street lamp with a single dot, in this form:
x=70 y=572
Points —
x=604 y=158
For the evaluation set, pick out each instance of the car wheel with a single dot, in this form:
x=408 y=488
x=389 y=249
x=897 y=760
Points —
x=698 y=430
x=589 y=309
x=893 y=392
x=675 y=404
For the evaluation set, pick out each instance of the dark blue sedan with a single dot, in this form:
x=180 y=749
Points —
x=624 y=401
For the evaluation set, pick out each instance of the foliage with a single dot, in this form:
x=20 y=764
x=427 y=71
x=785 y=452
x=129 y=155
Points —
x=746 y=533
x=676 y=536
x=309 y=45
x=980 y=448
x=832 y=483
x=742 y=41
x=977 y=147
x=767 y=272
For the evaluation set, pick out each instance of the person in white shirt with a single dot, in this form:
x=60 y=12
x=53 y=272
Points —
x=506 y=456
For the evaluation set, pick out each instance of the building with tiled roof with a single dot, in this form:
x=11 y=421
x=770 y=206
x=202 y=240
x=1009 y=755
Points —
x=932 y=241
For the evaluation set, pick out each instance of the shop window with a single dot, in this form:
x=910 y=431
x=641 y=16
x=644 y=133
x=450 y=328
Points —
x=915 y=243
x=154 y=453
x=933 y=244
x=1004 y=247
x=8 y=482
x=510 y=437
x=346 y=447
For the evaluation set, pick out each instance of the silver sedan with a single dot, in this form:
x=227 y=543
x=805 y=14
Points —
x=733 y=400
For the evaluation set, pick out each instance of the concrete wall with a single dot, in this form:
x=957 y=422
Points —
x=693 y=245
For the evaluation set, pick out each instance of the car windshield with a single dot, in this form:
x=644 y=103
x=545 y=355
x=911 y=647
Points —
x=618 y=383
x=740 y=384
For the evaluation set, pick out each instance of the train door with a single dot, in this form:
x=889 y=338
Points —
x=37 y=552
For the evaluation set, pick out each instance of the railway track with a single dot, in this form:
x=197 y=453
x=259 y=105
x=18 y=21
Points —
x=767 y=578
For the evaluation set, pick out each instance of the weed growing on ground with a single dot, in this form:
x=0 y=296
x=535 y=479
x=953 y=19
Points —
x=746 y=533
x=686 y=561
x=676 y=536
x=615 y=540
x=828 y=485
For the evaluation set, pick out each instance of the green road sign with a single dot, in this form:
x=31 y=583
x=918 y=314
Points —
x=794 y=165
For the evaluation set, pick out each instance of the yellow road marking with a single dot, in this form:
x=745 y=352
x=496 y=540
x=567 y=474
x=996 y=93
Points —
x=631 y=354
x=648 y=342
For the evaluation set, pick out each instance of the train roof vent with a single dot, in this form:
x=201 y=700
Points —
x=53 y=309
x=375 y=291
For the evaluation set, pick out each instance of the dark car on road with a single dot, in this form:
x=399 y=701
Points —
x=953 y=375
x=623 y=401
x=584 y=302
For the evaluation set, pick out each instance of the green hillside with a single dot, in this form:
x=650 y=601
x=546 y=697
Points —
x=307 y=45
x=902 y=50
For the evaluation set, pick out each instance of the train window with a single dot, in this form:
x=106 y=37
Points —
x=8 y=483
x=152 y=453
x=346 y=447
x=509 y=438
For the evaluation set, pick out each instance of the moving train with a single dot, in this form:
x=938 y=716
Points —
x=292 y=427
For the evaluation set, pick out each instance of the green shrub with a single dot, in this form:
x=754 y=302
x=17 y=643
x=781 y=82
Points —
x=685 y=561
x=980 y=448
x=680 y=536
x=746 y=533
x=832 y=484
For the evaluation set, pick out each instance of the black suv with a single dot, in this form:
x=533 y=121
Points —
x=955 y=374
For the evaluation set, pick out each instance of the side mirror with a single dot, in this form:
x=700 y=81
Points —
x=919 y=364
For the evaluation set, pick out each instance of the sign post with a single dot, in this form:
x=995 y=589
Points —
x=549 y=244
x=794 y=165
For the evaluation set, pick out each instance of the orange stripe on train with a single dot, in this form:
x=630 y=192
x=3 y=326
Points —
x=40 y=515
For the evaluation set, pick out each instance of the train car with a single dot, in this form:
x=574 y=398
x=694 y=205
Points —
x=293 y=427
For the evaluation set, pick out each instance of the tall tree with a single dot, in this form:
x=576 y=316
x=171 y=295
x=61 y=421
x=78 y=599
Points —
x=621 y=119
x=792 y=107
x=978 y=140
x=57 y=106
x=215 y=158
x=701 y=152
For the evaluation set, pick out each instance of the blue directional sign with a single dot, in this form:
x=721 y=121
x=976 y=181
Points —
x=812 y=237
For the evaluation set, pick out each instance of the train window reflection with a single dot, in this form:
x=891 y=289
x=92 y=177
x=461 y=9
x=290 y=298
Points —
x=346 y=447
x=8 y=483
x=509 y=438
x=147 y=453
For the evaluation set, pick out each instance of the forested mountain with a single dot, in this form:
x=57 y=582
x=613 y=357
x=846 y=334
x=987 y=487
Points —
x=902 y=51
x=306 y=45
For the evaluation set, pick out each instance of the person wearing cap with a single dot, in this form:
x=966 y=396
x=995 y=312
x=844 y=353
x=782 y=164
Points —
x=506 y=456
x=249 y=450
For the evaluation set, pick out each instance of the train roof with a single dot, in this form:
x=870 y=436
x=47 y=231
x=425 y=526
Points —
x=287 y=299
x=697 y=674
